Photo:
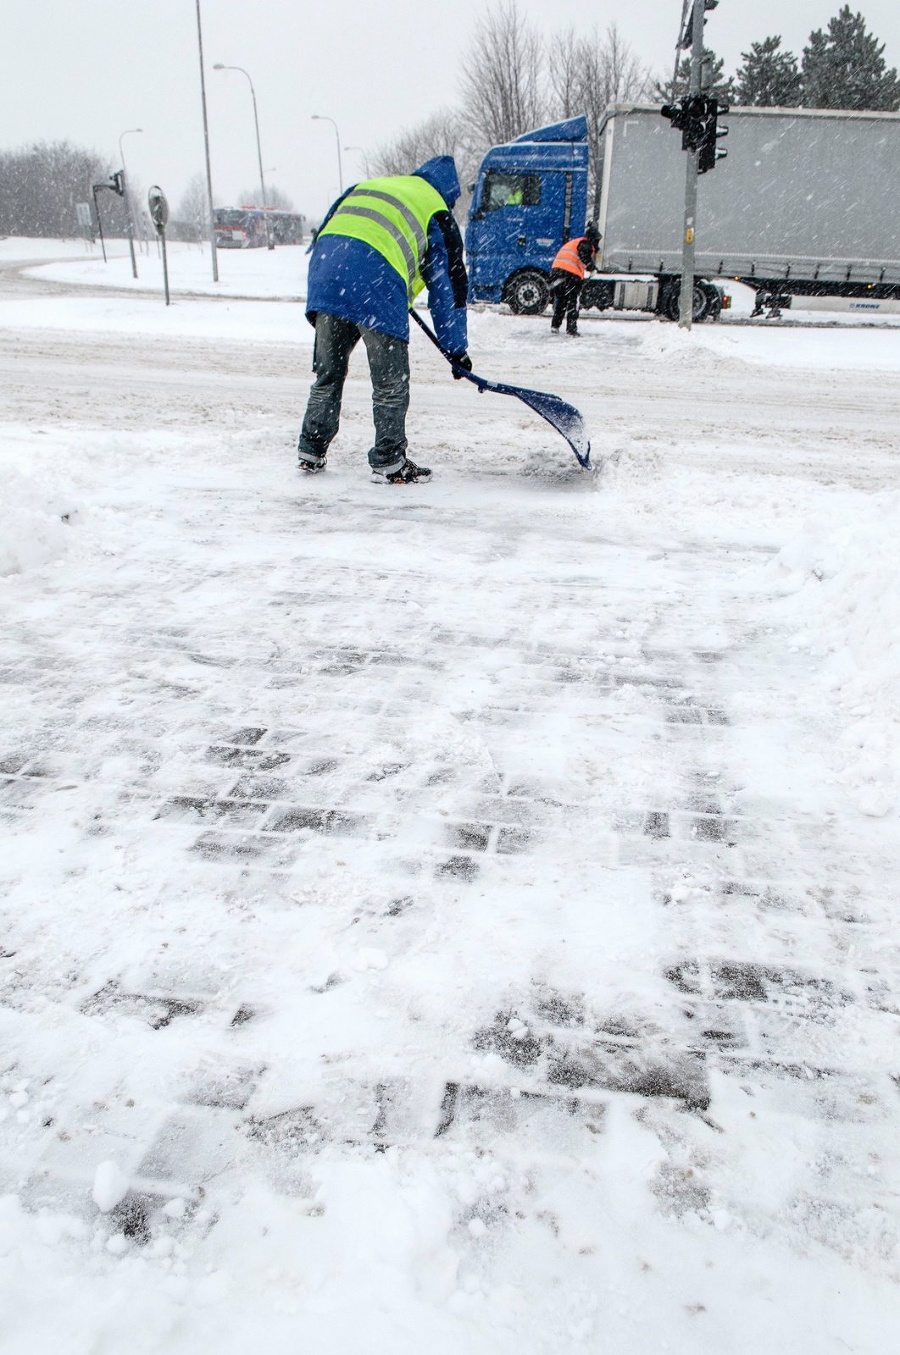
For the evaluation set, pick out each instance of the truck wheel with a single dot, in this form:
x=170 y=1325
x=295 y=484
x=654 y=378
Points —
x=702 y=303
x=527 y=293
x=715 y=301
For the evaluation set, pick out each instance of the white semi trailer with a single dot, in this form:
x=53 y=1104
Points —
x=804 y=205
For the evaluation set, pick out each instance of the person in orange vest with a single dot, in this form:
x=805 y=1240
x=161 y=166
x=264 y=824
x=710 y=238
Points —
x=567 y=277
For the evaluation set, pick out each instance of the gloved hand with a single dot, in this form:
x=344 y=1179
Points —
x=461 y=360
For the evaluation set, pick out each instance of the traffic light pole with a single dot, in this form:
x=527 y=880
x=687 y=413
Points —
x=99 y=218
x=686 y=306
x=115 y=185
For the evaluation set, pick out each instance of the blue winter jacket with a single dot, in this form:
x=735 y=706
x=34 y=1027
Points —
x=351 y=279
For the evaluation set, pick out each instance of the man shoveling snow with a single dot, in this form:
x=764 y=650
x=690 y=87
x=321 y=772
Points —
x=381 y=244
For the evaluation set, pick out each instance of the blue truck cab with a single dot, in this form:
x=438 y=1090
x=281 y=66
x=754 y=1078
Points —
x=529 y=198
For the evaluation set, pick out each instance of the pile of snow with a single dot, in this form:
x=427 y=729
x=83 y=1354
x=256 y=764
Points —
x=21 y=248
x=278 y=274
x=843 y=586
x=35 y=521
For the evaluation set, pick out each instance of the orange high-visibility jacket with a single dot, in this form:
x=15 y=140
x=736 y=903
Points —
x=568 y=258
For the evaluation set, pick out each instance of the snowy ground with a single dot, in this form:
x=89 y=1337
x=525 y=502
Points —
x=459 y=917
x=277 y=273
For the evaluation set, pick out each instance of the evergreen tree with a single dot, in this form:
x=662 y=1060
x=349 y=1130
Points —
x=712 y=80
x=845 y=68
x=769 y=78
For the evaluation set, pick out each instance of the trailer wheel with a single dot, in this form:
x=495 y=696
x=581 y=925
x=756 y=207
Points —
x=702 y=302
x=715 y=301
x=527 y=293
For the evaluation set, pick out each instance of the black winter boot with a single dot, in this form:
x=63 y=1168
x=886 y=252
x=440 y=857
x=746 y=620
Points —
x=408 y=474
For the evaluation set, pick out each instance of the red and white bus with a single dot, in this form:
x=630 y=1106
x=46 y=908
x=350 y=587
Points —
x=245 y=227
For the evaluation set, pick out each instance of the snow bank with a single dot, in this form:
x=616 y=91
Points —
x=35 y=521
x=261 y=273
x=816 y=344
x=22 y=248
x=843 y=593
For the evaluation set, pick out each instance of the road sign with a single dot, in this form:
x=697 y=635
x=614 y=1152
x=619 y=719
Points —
x=159 y=207
x=159 y=213
x=83 y=212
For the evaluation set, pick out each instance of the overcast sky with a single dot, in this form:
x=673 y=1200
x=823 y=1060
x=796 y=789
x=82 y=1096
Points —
x=87 y=70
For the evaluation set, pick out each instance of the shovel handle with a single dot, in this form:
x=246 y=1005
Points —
x=461 y=371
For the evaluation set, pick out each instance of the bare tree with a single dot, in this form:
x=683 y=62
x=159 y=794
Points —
x=586 y=75
x=514 y=82
x=565 y=74
x=191 y=217
x=503 y=84
x=444 y=133
x=276 y=197
x=441 y=134
x=41 y=184
x=625 y=78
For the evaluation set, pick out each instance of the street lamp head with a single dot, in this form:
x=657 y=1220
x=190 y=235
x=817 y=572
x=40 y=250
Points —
x=127 y=132
x=323 y=117
x=218 y=66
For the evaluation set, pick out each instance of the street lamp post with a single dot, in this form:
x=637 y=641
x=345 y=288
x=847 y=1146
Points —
x=322 y=117
x=209 y=192
x=363 y=156
x=262 y=182
x=128 y=207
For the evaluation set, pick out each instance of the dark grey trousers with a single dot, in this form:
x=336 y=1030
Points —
x=389 y=369
x=565 y=289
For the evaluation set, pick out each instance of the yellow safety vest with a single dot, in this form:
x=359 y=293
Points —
x=392 y=215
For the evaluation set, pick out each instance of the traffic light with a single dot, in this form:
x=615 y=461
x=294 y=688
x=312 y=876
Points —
x=689 y=117
x=117 y=182
x=675 y=114
x=696 y=112
x=709 y=151
x=696 y=117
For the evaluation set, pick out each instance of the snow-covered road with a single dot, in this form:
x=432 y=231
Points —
x=456 y=917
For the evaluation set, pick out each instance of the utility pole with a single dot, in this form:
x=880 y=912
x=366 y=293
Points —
x=686 y=307
x=128 y=204
x=210 y=222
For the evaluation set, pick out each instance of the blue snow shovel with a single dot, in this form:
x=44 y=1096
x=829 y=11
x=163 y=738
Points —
x=564 y=418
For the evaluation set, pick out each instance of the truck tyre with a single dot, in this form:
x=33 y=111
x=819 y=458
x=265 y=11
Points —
x=672 y=302
x=527 y=293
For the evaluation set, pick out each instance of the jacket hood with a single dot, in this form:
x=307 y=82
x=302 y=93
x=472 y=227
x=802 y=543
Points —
x=441 y=173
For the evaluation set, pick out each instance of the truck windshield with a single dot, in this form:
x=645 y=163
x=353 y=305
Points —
x=510 y=190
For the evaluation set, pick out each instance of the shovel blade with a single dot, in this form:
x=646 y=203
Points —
x=565 y=418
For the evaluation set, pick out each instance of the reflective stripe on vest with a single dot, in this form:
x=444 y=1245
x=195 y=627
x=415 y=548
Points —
x=568 y=259
x=391 y=215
